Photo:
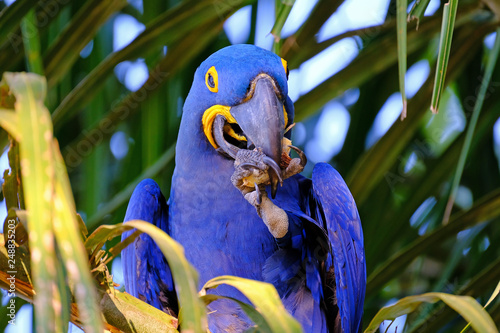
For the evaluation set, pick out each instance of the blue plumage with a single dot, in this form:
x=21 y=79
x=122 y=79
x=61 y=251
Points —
x=145 y=269
x=318 y=266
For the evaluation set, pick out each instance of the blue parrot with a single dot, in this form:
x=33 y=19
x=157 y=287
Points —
x=233 y=150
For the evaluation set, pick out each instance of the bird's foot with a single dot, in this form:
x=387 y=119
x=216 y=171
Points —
x=251 y=175
x=254 y=197
x=296 y=165
x=273 y=216
x=251 y=169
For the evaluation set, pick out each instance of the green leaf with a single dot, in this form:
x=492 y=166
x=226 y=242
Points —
x=492 y=297
x=11 y=16
x=490 y=66
x=418 y=10
x=466 y=306
x=305 y=36
x=100 y=236
x=418 y=187
x=264 y=298
x=284 y=10
x=13 y=196
x=401 y=18
x=129 y=314
x=117 y=249
x=69 y=240
x=371 y=61
x=449 y=14
x=38 y=172
x=65 y=299
x=481 y=281
x=373 y=165
x=153 y=115
x=167 y=29
x=124 y=195
x=31 y=42
x=258 y=319
x=177 y=58
x=64 y=51
x=120 y=310
x=96 y=160
x=9 y=121
x=49 y=199
x=484 y=210
x=296 y=57
x=184 y=275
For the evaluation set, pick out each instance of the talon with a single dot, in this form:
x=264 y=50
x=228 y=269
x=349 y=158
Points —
x=249 y=165
x=289 y=127
x=274 y=176
x=270 y=162
x=303 y=158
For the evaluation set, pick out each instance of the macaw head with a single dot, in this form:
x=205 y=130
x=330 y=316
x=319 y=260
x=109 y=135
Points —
x=239 y=99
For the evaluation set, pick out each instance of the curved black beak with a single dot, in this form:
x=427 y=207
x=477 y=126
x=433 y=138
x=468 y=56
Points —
x=262 y=121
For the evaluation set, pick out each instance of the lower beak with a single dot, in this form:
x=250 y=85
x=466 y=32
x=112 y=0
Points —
x=262 y=121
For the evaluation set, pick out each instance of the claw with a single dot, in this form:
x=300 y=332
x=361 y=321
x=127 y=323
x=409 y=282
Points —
x=249 y=165
x=274 y=176
x=269 y=161
x=303 y=158
x=289 y=127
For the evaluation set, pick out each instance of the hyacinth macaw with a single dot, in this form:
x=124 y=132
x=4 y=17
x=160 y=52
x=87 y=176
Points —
x=239 y=206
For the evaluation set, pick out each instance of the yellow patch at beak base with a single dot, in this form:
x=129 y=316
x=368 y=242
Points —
x=209 y=117
x=208 y=121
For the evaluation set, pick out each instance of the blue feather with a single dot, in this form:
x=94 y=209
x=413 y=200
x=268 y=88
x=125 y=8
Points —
x=146 y=272
x=341 y=219
x=318 y=267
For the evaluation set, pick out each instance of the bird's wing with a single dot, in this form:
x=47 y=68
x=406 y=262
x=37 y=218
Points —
x=332 y=205
x=145 y=269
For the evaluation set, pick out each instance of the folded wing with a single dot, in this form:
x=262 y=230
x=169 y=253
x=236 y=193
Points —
x=145 y=269
x=333 y=206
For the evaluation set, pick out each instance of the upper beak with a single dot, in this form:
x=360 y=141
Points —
x=261 y=119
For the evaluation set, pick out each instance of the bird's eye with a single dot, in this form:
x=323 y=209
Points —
x=285 y=66
x=212 y=80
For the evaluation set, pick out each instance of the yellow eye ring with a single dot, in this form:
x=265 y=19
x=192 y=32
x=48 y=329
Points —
x=285 y=66
x=212 y=80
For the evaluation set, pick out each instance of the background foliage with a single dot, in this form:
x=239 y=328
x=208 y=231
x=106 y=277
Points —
x=112 y=137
